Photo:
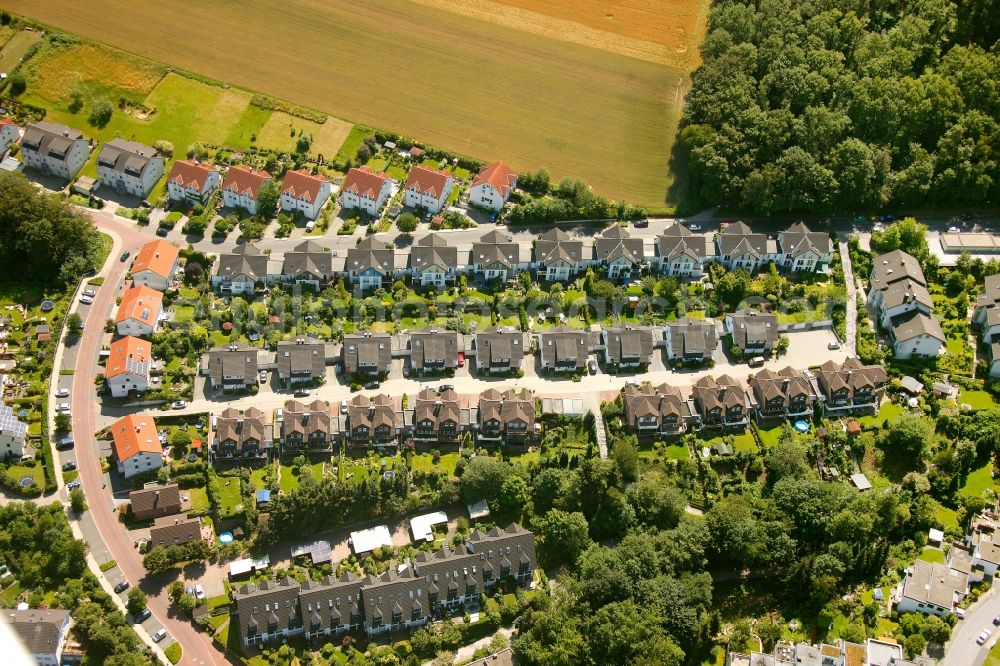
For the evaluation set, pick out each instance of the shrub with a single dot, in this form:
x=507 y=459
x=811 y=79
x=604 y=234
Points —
x=100 y=112
x=164 y=148
x=17 y=84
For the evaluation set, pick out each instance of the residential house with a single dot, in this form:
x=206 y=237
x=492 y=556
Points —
x=507 y=418
x=851 y=387
x=365 y=189
x=242 y=435
x=301 y=361
x=931 y=589
x=437 y=417
x=155 y=265
x=987 y=318
x=139 y=311
x=394 y=601
x=55 y=150
x=433 y=262
x=13 y=435
x=564 y=350
x=656 y=412
x=739 y=247
x=240 y=271
x=917 y=334
x=691 y=340
x=982 y=543
x=241 y=186
x=155 y=500
x=129 y=362
x=10 y=132
x=682 y=253
x=427 y=188
x=192 y=182
x=308 y=264
x=558 y=256
x=304 y=192
x=900 y=298
x=433 y=350
x=268 y=611
x=331 y=606
x=619 y=253
x=787 y=393
x=174 y=531
x=722 y=402
x=369 y=263
x=804 y=250
x=129 y=167
x=232 y=368
x=306 y=429
x=367 y=354
x=755 y=333
x=42 y=633
x=499 y=350
x=373 y=422
x=627 y=347
x=492 y=186
x=495 y=257
x=136 y=445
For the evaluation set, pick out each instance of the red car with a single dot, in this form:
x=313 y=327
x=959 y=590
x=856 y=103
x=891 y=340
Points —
x=461 y=360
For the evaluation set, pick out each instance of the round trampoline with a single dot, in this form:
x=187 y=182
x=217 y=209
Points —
x=26 y=481
x=192 y=457
x=48 y=306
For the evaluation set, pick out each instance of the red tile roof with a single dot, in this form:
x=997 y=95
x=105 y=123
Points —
x=7 y=121
x=499 y=175
x=427 y=181
x=140 y=303
x=190 y=174
x=135 y=434
x=127 y=349
x=244 y=180
x=302 y=185
x=156 y=256
x=362 y=181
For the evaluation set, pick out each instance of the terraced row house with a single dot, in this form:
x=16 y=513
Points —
x=407 y=595
x=898 y=295
x=986 y=318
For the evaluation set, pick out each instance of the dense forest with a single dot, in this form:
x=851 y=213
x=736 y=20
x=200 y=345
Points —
x=819 y=105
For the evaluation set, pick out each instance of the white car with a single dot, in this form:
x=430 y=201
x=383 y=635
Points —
x=199 y=591
x=62 y=393
x=983 y=636
x=694 y=227
x=954 y=230
x=63 y=408
x=86 y=300
x=833 y=345
x=159 y=635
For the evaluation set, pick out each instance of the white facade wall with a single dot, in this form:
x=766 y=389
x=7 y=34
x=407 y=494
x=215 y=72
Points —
x=154 y=281
x=682 y=266
x=238 y=285
x=233 y=199
x=8 y=135
x=126 y=183
x=923 y=345
x=434 y=277
x=487 y=197
x=66 y=168
x=888 y=313
x=137 y=328
x=10 y=447
x=619 y=267
x=368 y=279
x=178 y=193
x=308 y=208
x=370 y=206
x=416 y=199
x=139 y=463
x=120 y=385
x=557 y=272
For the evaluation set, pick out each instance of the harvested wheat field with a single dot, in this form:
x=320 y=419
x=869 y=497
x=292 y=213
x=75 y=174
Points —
x=472 y=86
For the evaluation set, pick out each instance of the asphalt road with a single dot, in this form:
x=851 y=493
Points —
x=962 y=649
x=197 y=648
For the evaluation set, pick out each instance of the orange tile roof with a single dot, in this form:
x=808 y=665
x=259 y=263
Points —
x=7 y=121
x=499 y=175
x=362 y=181
x=189 y=173
x=126 y=356
x=135 y=434
x=301 y=184
x=140 y=303
x=156 y=256
x=244 y=180
x=427 y=181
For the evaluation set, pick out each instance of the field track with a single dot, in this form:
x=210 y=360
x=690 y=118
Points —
x=471 y=86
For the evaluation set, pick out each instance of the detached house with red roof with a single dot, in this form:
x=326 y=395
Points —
x=155 y=265
x=304 y=192
x=192 y=181
x=9 y=134
x=240 y=188
x=366 y=189
x=428 y=188
x=128 y=366
x=136 y=445
x=139 y=311
x=492 y=186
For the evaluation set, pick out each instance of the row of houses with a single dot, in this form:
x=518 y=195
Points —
x=664 y=411
x=873 y=652
x=409 y=595
x=433 y=261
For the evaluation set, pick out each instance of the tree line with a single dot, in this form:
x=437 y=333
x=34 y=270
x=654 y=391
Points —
x=812 y=106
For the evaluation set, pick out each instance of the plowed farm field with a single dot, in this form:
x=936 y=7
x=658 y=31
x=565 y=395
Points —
x=594 y=93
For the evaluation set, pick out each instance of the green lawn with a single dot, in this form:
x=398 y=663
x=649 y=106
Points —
x=257 y=477
x=424 y=462
x=957 y=345
x=946 y=517
x=16 y=47
x=289 y=480
x=769 y=437
x=229 y=497
x=677 y=452
x=888 y=412
x=933 y=555
x=199 y=498
x=993 y=659
x=976 y=399
x=526 y=458
x=743 y=442
x=978 y=481
x=37 y=472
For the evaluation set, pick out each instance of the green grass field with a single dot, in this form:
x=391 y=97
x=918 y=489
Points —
x=978 y=481
x=229 y=496
x=889 y=411
x=199 y=498
x=15 y=48
x=977 y=399
x=37 y=472
x=932 y=555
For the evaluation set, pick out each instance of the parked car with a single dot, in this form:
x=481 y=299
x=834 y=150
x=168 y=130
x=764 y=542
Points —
x=263 y=376
x=63 y=408
x=199 y=591
x=301 y=393
x=178 y=404
x=69 y=466
x=89 y=292
x=125 y=255
x=592 y=366
x=144 y=615
x=447 y=387
x=64 y=442
x=162 y=231
x=996 y=621
x=983 y=636
x=73 y=484
x=62 y=393
x=159 y=635
x=121 y=586
x=310 y=225
x=343 y=406
x=694 y=227
x=833 y=345
x=641 y=224
x=954 y=230
x=279 y=415
x=756 y=361
x=371 y=385
x=86 y=300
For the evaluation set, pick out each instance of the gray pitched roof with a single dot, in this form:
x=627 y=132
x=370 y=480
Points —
x=895 y=266
x=367 y=350
x=693 y=337
x=394 y=593
x=296 y=357
x=678 y=240
x=232 y=361
x=914 y=324
x=49 y=139
x=630 y=343
x=129 y=157
x=370 y=253
x=616 y=243
x=752 y=327
x=797 y=239
x=556 y=245
x=331 y=603
x=498 y=345
x=433 y=250
x=37 y=628
x=267 y=608
x=435 y=348
x=906 y=291
x=564 y=348
x=494 y=249
x=308 y=258
x=155 y=498
x=738 y=239
x=246 y=260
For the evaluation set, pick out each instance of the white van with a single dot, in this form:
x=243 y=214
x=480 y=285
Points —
x=756 y=361
x=310 y=225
